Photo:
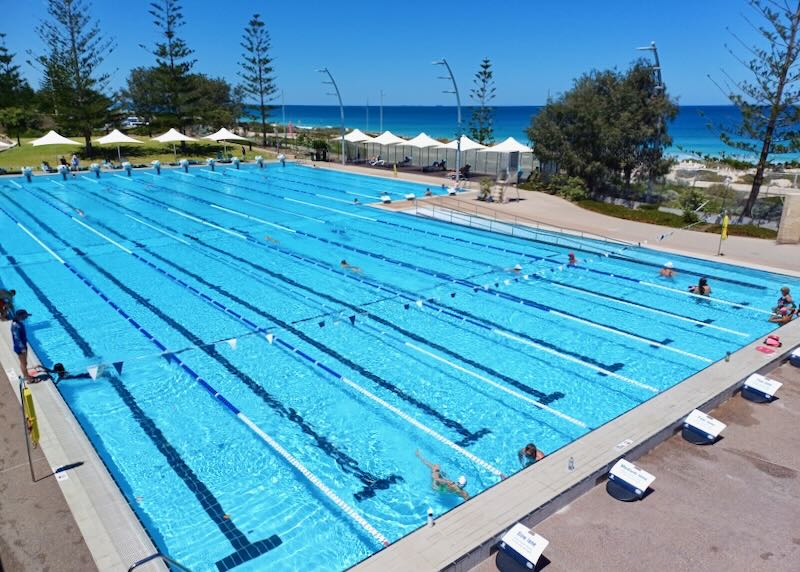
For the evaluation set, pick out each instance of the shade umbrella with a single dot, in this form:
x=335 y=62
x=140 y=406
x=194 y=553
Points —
x=423 y=141
x=510 y=145
x=117 y=138
x=224 y=135
x=4 y=146
x=173 y=136
x=53 y=138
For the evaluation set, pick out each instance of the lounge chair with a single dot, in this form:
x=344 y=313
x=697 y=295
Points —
x=464 y=172
x=378 y=163
x=436 y=166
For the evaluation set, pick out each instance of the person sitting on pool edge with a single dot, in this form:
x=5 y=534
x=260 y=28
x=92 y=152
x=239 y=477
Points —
x=442 y=484
x=667 y=271
x=702 y=288
x=347 y=266
x=529 y=454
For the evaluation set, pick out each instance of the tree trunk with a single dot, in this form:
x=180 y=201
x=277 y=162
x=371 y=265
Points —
x=19 y=143
x=87 y=137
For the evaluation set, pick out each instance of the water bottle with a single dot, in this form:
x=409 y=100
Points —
x=430 y=516
x=571 y=464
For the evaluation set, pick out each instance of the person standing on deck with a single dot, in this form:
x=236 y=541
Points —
x=19 y=337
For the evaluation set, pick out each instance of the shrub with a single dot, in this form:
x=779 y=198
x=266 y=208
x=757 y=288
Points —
x=691 y=201
x=486 y=188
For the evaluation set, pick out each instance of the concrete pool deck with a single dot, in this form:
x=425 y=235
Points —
x=730 y=506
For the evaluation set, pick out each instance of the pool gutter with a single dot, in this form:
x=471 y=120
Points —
x=463 y=537
x=112 y=532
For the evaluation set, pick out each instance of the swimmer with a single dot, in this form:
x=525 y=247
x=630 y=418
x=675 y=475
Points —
x=60 y=371
x=347 y=266
x=442 y=484
x=702 y=288
x=516 y=269
x=785 y=301
x=667 y=271
x=572 y=260
x=356 y=201
x=428 y=192
x=268 y=238
x=783 y=316
x=529 y=454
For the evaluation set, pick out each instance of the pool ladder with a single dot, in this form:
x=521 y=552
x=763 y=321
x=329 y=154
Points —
x=167 y=560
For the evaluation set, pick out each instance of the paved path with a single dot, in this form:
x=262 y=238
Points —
x=37 y=529
x=731 y=506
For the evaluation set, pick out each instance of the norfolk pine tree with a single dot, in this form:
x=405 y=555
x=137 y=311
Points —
x=768 y=102
x=256 y=73
x=481 y=124
x=16 y=96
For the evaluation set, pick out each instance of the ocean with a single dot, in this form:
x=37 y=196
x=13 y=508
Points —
x=693 y=131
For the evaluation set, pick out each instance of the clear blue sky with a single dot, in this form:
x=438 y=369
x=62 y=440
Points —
x=537 y=47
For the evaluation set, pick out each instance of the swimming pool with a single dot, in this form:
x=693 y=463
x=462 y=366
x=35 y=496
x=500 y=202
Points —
x=261 y=405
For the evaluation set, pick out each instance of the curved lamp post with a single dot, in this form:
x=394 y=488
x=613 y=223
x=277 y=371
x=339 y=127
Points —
x=341 y=109
x=443 y=62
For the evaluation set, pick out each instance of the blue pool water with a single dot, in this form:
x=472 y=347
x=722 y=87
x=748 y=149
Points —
x=293 y=447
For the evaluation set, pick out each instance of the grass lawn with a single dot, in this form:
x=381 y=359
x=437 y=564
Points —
x=676 y=221
x=15 y=158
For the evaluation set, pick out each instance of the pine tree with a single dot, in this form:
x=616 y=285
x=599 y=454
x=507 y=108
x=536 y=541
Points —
x=257 y=79
x=14 y=90
x=482 y=123
x=769 y=103
x=71 y=66
x=172 y=60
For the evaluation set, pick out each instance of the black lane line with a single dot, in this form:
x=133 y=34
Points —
x=244 y=549
x=346 y=463
x=468 y=437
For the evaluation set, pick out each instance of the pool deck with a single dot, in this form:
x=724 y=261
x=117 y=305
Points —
x=42 y=524
x=463 y=538
x=730 y=506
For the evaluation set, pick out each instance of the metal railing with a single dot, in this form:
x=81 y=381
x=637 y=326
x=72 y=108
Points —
x=486 y=218
x=167 y=560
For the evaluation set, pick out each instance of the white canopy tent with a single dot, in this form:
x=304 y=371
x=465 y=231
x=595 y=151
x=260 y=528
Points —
x=467 y=144
x=355 y=136
x=173 y=136
x=423 y=141
x=512 y=148
x=53 y=138
x=117 y=138
x=385 y=139
x=5 y=146
x=224 y=135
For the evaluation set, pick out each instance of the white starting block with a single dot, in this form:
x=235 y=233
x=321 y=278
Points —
x=524 y=546
x=627 y=482
x=410 y=196
x=701 y=429
x=386 y=199
x=794 y=357
x=451 y=191
x=760 y=389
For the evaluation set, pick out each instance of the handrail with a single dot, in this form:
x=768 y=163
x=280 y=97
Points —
x=536 y=223
x=163 y=557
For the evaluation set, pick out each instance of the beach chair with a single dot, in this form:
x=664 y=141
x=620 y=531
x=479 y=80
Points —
x=523 y=546
x=435 y=166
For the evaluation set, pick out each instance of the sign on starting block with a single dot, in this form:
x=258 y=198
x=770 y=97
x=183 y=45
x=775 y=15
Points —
x=524 y=546
x=627 y=482
x=701 y=429
x=760 y=389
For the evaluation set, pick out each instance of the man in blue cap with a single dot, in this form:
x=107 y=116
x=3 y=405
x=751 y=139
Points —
x=20 y=338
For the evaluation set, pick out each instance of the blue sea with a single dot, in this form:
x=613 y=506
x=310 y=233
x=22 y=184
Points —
x=695 y=131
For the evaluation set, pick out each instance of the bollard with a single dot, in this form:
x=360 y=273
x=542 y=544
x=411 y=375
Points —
x=28 y=172
x=95 y=168
x=235 y=162
x=157 y=166
x=185 y=164
x=63 y=170
x=127 y=166
x=210 y=163
x=260 y=161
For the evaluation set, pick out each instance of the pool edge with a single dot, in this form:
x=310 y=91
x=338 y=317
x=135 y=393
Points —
x=111 y=530
x=462 y=538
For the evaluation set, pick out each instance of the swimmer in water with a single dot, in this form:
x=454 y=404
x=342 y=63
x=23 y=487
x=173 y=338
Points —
x=666 y=270
x=442 y=484
x=529 y=454
x=572 y=261
x=516 y=269
x=347 y=266
x=268 y=238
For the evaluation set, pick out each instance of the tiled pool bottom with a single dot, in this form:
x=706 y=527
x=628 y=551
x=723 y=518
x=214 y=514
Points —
x=355 y=359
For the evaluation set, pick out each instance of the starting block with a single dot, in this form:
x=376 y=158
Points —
x=760 y=389
x=627 y=482
x=524 y=546
x=701 y=429
x=794 y=358
x=386 y=199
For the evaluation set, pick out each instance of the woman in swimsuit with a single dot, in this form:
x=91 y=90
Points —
x=442 y=484
x=785 y=301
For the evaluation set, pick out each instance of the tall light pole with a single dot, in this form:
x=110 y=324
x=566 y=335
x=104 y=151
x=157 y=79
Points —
x=381 y=126
x=658 y=89
x=341 y=108
x=443 y=62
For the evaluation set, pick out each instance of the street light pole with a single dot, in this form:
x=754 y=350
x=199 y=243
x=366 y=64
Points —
x=659 y=89
x=443 y=62
x=341 y=108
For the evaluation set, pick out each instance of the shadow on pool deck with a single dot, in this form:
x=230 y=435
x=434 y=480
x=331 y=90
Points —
x=728 y=507
x=37 y=529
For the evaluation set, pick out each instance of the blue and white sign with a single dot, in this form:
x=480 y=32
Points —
x=631 y=477
x=763 y=385
x=704 y=424
x=524 y=546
